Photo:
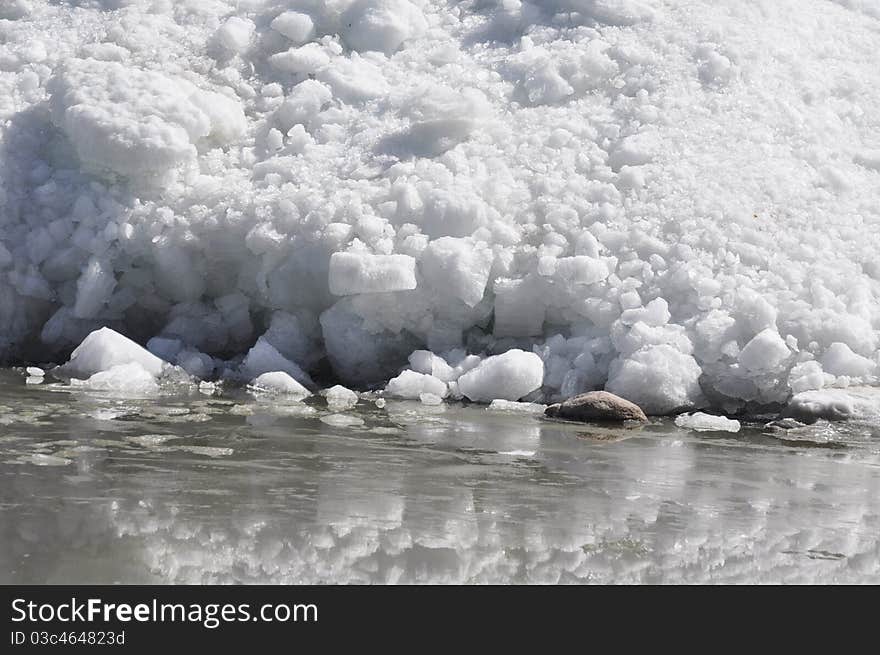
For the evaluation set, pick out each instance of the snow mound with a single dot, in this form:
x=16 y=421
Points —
x=668 y=200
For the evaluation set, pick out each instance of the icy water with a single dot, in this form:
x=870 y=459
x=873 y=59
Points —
x=234 y=489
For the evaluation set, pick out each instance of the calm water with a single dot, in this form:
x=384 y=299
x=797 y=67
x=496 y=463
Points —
x=234 y=489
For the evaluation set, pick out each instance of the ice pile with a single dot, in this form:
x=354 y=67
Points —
x=673 y=201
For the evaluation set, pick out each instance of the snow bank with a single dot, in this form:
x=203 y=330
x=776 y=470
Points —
x=670 y=200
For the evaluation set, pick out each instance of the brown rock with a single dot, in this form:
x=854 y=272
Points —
x=596 y=406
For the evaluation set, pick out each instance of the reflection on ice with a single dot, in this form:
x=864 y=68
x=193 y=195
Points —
x=94 y=490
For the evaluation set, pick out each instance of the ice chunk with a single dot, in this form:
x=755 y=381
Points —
x=457 y=267
x=840 y=360
x=166 y=349
x=410 y=384
x=236 y=33
x=506 y=377
x=93 y=289
x=655 y=313
x=35 y=371
x=519 y=308
x=767 y=351
x=134 y=122
x=513 y=406
x=354 y=80
x=382 y=25
x=292 y=338
x=707 y=422
x=832 y=404
x=280 y=382
x=807 y=376
x=581 y=270
x=659 y=379
x=104 y=349
x=296 y=26
x=124 y=379
x=340 y=398
x=307 y=59
x=424 y=361
x=265 y=358
x=353 y=273
x=360 y=351
x=303 y=104
x=195 y=363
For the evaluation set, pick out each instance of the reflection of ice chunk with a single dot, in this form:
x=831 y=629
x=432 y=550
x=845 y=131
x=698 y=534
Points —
x=507 y=377
x=707 y=423
x=103 y=349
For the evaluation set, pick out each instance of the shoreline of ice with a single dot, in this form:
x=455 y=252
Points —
x=673 y=205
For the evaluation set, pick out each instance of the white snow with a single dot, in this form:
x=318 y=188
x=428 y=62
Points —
x=670 y=200
x=702 y=422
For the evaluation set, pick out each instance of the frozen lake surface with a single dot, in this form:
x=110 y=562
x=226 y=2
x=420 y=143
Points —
x=234 y=489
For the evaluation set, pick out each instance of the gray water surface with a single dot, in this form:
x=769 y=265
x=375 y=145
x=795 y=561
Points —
x=235 y=489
